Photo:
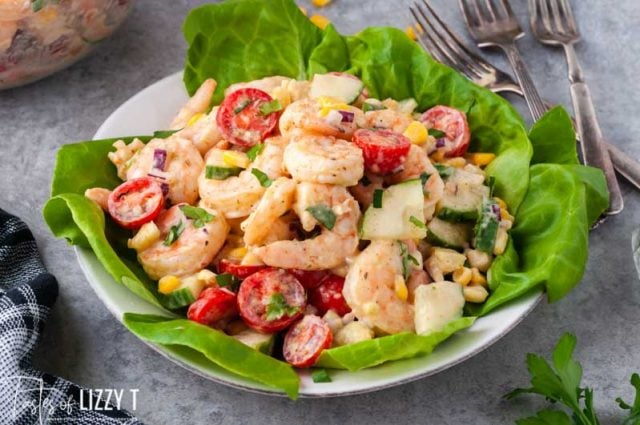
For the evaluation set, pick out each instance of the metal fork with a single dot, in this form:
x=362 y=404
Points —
x=447 y=47
x=553 y=23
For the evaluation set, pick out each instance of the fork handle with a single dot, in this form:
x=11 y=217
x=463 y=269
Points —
x=529 y=90
x=593 y=145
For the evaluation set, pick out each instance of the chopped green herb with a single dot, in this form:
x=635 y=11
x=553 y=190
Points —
x=377 y=198
x=174 y=233
x=163 y=134
x=436 y=133
x=221 y=173
x=320 y=376
x=407 y=259
x=36 y=5
x=264 y=180
x=278 y=307
x=323 y=214
x=424 y=177
x=241 y=107
x=417 y=222
x=492 y=184
x=270 y=107
x=367 y=106
x=256 y=150
x=414 y=260
x=199 y=216
x=365 y=181
x=443 y=170
x=227 y=280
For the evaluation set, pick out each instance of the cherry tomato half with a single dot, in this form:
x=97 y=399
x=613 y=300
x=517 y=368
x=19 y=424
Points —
x=238 y=270
x=271 y=300
x=310 y=278
x=135 y=202
x=328 y=296
x=384 y=151
x=453 y=123
x=305 y=341
x=240 y=119
x=213 y=305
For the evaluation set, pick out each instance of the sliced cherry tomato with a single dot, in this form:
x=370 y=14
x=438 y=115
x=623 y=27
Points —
x=213 y=305
x=240 y=119
x=453 y=123
x=136 y=202
x=310 y=278
x=238 y=270
x=271 y=300
x=384 y=151
x=305 y=341
x=328 y=296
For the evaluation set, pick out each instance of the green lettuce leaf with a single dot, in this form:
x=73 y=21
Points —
x=376 y=351
x=554 y=139
x=216 y=346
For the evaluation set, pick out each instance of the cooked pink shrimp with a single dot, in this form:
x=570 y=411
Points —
x=198 y=104
x=204 y=133
x=309 y=116
x=364 y=190
x=173 y=162
x=371 y=288
x=330 y=248
x=191 y=250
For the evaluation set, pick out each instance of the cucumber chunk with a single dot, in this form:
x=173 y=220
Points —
x=486 y=228
x=437 y=304
x=448 y=235
x=340 y=86
x=392 y=221
x=462 y=198
x=256 y=340
x=185 y=294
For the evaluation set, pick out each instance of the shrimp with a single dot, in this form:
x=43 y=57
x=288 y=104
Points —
x=321 y=159
x=236 y=196
x=277 y=200
x=204 y=133
x=177 y=172
x=14 y=10
x=198 y=104
x=123 y=155
x=416 y=164
x=193 y=249
x=388 y=119
x=100 y=196
x=364 y=190
x=309 y=115
x=330 y=248
x=370 y=288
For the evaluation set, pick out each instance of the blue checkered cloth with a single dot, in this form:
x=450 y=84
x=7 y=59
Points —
x=27 y=294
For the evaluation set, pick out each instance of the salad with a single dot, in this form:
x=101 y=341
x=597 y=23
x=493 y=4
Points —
x=321 y=215
x=309 y=209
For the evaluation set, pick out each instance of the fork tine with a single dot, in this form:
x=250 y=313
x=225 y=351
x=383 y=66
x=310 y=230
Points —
x=506 y=6
x=555 y=15
x=544 y=14
x=472 y=17
x=490 y=10
x=567 y=12
x=452 y=41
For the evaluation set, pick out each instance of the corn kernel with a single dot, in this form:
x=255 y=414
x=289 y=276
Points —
x=475 y=294
x=303 y=10
x=401 y=288
x=500 y=202
x=47 y=14
x=194 y=119
x=457 y=162
x=146 y=236
x=504 y=214
x=502 y=238
x=411 y=33
x=417 y=133
x=236 y=159
x=462 y=276
x=481 y=159
x=331 y=102
x=168 y=284
x=477 y=278
x=320 y=21
x=320 y=3
x=238 y=253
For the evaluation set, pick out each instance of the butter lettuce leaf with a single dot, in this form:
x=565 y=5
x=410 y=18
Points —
x=216 y=346
x=376 y=351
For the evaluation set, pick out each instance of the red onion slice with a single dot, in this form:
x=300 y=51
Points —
x=159 y=159
x=347 y=116
x=440 y=142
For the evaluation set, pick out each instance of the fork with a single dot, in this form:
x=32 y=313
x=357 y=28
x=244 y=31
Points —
x=447 y=47
x=553 y=23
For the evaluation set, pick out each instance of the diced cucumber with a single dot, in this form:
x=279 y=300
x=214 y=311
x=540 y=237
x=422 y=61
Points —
x=448 y=235
x=486 y=228
x=407 y=106
x=256 y=340
x=392 y=220
x=462 y=198
x=185 y=294
x=437 y=304
x=339 y=86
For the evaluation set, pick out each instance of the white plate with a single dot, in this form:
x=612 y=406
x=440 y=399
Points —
x=152 y=109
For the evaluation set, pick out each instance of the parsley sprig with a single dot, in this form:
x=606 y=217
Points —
x=199 y=216
x=278 y=307
x=174 y=233
x=561 y=383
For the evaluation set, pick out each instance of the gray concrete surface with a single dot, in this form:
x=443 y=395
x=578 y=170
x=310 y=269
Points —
x=85 y=344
